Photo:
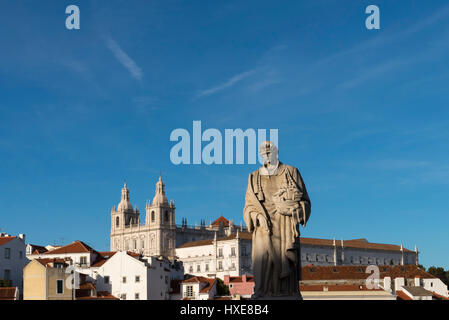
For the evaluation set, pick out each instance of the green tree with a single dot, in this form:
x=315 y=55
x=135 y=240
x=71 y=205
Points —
x=222 y=289
x=440 y=273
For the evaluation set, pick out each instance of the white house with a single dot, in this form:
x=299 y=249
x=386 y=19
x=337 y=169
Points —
x=12 y=259
x=199 y=288
x=216 y=258
x=131 y=277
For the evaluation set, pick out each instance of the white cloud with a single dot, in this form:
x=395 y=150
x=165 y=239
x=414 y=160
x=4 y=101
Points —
x=231 y=82
x=124 y=59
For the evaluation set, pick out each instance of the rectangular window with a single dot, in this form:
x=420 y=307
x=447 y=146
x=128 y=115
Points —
x=189 y=291
x=20 y=255
x=106 y=279
x=123 y=296
x=59 y=286
x=137 y=296
x=220 y=265
x=198 y=268
x=233 y=252
x=137 y=278
x=83 y=260
x=7 y=276
x=7 y=253
x=207 y=267
x=244 y=251
x=220 y=252
x=124 y=280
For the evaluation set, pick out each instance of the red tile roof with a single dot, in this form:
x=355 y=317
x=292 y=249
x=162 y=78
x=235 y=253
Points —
x=5 y=240
x=439 y=297
x=358 y=272
x=208 y=281
x=401 y=295
x=336 y=287
x=75 y=247
x=221 y=220
x=102 y=258
x=355 y=243
x=38 y=249
x=8 y=293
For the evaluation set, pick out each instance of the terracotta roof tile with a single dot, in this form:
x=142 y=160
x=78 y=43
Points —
x=402 y=295
x=103 y=257
x=439 y=297
x=208 y=281
x=221 y=220
x=75 y=247
x=5 y=240
x=358 y=272
x=355 y=243
x=8 y=293
x=336 y=287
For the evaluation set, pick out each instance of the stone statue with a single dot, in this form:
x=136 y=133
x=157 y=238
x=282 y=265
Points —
x=276 y=203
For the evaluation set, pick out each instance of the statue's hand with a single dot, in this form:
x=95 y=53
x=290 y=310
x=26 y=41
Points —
x=287 y=207
x=261 y=221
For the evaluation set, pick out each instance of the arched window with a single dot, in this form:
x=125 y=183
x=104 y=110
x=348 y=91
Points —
x=152 y=216
x=166 y=216
x=117 y=222
x=135 y=244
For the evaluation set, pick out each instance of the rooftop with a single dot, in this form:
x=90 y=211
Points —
x=310 y=273
x=8 y=293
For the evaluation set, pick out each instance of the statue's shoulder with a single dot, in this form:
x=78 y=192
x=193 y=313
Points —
x=290 y=169
x=254 y=173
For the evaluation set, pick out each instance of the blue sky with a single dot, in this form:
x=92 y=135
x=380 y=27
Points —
x=363 y=114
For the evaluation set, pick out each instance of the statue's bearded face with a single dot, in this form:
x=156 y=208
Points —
x=270 y=157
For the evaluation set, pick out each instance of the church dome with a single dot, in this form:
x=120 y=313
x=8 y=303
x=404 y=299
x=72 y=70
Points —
x=125 y=204
x=160 y=198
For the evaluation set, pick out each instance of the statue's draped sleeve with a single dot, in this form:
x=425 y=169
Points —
x=305 y=200
x=252 y=204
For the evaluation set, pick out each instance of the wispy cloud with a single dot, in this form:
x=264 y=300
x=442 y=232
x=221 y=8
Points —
x=124 y=59
x=228 y=84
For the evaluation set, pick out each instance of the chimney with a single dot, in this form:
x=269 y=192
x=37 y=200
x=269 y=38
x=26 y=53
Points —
x=22 y=237
x=417 y=281
x=399 y=283
x=244 y=278
x=387 y=284
x=226 y=279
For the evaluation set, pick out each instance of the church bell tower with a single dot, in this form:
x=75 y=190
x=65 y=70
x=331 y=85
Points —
x=160 y=217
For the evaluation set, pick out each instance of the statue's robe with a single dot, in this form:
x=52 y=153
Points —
x=276 y=258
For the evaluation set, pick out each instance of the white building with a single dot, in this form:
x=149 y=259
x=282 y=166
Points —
x=326 y=252
x=126 y=275
x=130 y=277
x=216 y=258
x=12 y=259
x=199 y=288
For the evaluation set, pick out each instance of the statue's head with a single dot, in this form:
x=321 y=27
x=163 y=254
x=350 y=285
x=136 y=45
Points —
x=269 y=152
